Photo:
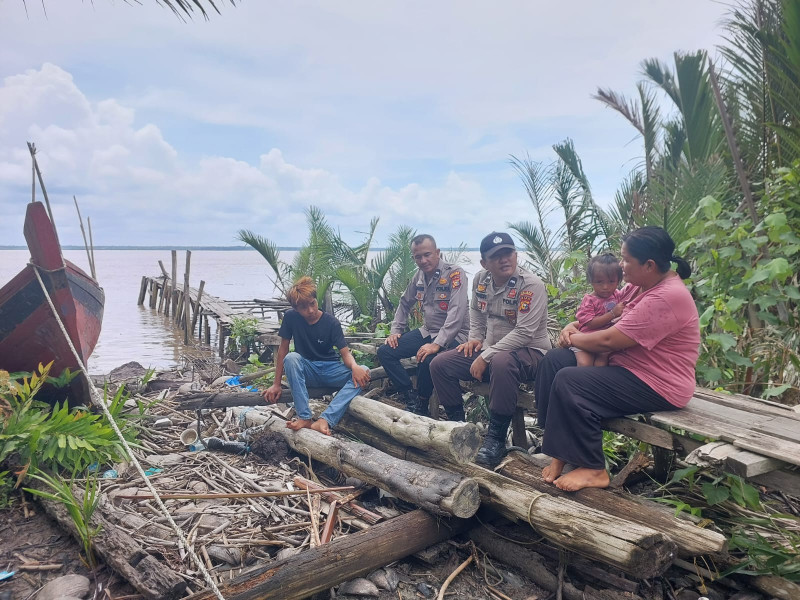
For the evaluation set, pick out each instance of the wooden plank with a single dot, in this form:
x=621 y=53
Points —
x=709 y=426
x=747 y=464
x=644 y=432
x=786 y=481
x=748 y=403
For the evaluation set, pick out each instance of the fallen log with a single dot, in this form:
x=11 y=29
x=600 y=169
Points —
x=636 y=549
x=458 y=442
x=346 y=557
x=437 y=491
x=691 y=539
x=151 y=578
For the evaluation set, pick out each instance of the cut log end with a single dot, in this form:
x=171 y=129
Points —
x=464 y=500
x=465 y=442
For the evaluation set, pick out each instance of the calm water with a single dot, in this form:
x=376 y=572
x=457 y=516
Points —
x=132 y=332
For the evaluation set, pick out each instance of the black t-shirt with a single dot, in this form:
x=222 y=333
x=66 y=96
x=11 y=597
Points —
x=313 y=342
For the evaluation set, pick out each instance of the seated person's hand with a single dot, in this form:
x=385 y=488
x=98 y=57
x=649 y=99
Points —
x=361 y=376
x=563 y=338
x=273 y=393
x=392 y=340
x=427 y=350
x=478 y=368
x=617 y=310
x=470 y=347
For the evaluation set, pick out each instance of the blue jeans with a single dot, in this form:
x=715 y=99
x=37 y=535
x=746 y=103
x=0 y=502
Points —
x=301 y=372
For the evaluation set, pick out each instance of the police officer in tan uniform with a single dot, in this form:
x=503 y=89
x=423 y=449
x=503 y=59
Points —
x=440 y=290
x=507 y=337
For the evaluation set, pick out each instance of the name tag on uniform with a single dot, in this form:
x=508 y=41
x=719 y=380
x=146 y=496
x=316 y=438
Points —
x=511 y=302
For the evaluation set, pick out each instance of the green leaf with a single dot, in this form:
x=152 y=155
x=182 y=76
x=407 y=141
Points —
x=714 y=494
x=681 y=474
x=778 y=268
x=738 y=359
x=725 y=340
x=775 y=391
x=706 y=317
x=710 y=207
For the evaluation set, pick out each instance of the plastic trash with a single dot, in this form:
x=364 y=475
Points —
x=110 y=474
x=233 y=381
x=6 y=575
x=197 y=446
x=214 y=443
x=93 y=467
x=153 y=471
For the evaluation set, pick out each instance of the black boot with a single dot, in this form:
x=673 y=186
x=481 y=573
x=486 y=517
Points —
x=494 y=446
x=412 y=401
x=423 y=407
x=455 y=413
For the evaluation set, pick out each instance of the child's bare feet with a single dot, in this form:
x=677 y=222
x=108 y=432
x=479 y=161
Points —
x=322 y=426
x=298 y=424
x=553 y=471
x=582 y=478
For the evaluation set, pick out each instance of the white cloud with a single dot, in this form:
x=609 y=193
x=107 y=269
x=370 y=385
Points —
x=138 y=189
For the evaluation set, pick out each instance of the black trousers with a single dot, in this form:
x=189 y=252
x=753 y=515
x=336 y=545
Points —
x=571 y=402
x=504 y=374
x=407 y=346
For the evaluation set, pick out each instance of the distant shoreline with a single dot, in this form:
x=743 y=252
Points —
x=215 y=248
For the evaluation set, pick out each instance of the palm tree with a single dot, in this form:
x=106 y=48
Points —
x=560 y=188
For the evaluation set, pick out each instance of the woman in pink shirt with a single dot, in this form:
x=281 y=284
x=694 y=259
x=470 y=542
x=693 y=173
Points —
x=654 y=347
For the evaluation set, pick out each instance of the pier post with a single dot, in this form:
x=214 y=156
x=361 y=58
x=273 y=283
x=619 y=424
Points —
x=174 y=295
x=197 y=308
x=186 y=299
x=142 y=291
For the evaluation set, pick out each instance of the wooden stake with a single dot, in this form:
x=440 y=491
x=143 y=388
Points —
x=142 y=291
x=186 y=299
x=32 y=150
x=174 y=297
x=91 y=245
x=197 y=307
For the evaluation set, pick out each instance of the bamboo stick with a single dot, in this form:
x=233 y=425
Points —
x=223 y=496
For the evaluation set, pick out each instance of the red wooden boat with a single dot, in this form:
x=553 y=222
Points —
x=29 y=332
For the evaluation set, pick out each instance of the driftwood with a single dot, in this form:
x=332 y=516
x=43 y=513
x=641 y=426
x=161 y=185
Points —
x=433 y=489
x=636 y=549
x=458 y=442
x=691 y=539
x=151 y=578
x=346 y=557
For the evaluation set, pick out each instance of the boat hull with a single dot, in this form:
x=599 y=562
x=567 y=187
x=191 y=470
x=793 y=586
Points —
x=29 y=332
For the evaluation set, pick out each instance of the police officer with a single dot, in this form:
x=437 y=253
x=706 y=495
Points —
x=507 y=337
x=440 y=290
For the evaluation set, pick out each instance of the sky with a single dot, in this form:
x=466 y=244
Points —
x=173 y=132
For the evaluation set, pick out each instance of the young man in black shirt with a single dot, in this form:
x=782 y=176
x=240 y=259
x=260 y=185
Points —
x=314 y=361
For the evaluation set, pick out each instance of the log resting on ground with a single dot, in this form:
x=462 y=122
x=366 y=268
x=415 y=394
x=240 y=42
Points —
x=691 y=539
x=435 y=490
x=151 y=577
x=346 y=557
x=636 y=549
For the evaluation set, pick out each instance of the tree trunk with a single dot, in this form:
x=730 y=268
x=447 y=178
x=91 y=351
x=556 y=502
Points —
x=691 y=539
x=346 y=557
x=636 y=549
x=437 y=491
x=458 y=442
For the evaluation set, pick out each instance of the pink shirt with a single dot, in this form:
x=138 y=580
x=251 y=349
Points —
x=664 y=322
x=593 y=306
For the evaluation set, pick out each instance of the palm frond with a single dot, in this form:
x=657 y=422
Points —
x=266 y=248
x=627 y=108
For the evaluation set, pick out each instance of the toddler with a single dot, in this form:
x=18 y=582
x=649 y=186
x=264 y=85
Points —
x=600 y=308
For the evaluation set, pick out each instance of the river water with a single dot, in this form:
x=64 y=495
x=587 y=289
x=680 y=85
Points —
x=137 y=333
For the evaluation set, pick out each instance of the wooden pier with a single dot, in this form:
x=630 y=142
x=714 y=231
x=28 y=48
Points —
x=193 y=309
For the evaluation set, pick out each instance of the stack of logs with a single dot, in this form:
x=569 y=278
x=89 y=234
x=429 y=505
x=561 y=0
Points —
x=428 y=463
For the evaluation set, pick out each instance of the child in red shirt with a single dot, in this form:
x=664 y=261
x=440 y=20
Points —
x=600 y=308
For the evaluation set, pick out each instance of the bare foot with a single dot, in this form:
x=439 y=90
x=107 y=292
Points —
x=322 y=426
x=553 y=471
x=298 y=424
x=583 y=478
